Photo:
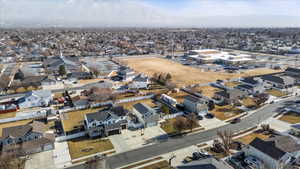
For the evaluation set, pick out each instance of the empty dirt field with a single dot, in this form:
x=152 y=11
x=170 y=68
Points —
x=181 y=75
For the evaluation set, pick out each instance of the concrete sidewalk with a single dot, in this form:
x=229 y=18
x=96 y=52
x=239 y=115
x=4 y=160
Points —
x=42 y=160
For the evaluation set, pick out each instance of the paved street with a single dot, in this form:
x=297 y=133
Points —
x=173 y=144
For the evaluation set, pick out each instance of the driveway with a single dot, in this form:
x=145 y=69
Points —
x=42 y=160
x=119 y=143
x=61 y=155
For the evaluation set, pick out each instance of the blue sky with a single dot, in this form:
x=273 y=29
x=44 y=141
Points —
x=155 y=13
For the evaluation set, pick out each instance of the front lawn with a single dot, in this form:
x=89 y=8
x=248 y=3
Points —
x=249 y=102
x=215 y=154
x=168 y=126
x=159 y=165
x=250 y=137
x=291 y=117
x=276 y=93
x=226 y=112
x=85 y=146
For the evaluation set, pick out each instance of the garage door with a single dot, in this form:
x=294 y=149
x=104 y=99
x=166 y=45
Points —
x=124 y=126
x=112 y=132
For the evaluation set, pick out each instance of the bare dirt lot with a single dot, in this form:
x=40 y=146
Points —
x=182 y=75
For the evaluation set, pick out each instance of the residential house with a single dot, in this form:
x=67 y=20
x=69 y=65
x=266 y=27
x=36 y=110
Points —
x=230 y=96
x=106 y=122
x=206 y=163
x=126 y=74
x=35 y=98
x=251 y=85
x=80 y=101
x=48 y=82
x=278 y=82
x=275 y=153
x=74 y=76
x=195 y=104
x=146 y=115
x=71 y=64
x=139 y=82
x=31 y=136
x=293 y=72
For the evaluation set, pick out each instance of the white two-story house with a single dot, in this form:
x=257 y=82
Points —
x=105 y=123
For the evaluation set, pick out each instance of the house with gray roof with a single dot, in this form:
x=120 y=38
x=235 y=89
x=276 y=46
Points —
x=33 y=134
x=279 y=82
x=35 y=98
x=252 y=85
x=195 y=104
x=230 y=96
x=146 y=115
x=126 y=74
x=139 y=82
x=106 y=122
x=275 y=152
x=71 y=64
x=292 y=71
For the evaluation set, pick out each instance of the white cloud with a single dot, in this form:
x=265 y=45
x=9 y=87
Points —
x=142 y=13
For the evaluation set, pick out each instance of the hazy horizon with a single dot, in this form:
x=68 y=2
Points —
x=149 y=13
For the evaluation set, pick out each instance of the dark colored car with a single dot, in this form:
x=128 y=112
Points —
x=236 y=120
x=200 y=117
x=209 y=116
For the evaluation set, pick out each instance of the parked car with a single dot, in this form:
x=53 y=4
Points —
x=209 y=116
x=253 y=162
x=236 y=120
x=200 y=117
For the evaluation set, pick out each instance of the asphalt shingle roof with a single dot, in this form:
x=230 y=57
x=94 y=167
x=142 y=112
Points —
x=267 y=148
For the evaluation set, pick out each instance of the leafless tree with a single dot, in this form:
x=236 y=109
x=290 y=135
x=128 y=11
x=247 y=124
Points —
x=192 y=121
x=4 y=80
x=225 y=138
x=95 y=71
x=180 y=124
x=14 y=158
x=266 y=128
x=96 y=163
